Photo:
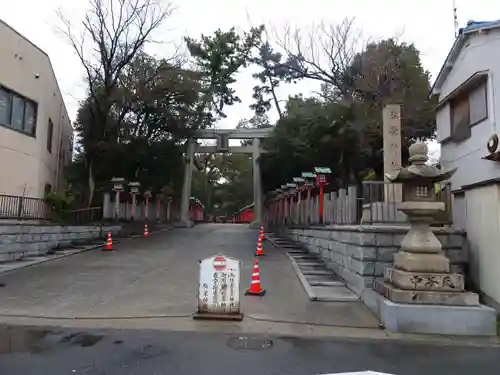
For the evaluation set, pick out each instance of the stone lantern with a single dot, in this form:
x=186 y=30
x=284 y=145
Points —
x=419 y=294
x=421 y=273
x=118 y=186
x=134 y=191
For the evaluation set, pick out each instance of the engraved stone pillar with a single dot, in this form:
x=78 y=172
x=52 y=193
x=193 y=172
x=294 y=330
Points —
x=391 y=118
x=421 y=272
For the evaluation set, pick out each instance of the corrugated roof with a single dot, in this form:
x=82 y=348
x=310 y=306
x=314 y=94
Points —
x=464 y=33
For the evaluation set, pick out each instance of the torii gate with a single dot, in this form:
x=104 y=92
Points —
x=223 y=136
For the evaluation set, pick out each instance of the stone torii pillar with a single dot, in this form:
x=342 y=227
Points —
x=257 y=185
x=186 y=187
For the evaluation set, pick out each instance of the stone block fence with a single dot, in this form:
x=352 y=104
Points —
x=360 y=233
x=360 y=254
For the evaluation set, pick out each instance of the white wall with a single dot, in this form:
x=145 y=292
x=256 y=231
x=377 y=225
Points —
x=483 y=234
x=481 y=52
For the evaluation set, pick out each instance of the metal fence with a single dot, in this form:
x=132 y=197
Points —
x=21 y=208
x=27 y=208
x=80 y=216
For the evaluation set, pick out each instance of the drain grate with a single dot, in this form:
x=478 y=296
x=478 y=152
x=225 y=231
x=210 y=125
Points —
x=249 y=343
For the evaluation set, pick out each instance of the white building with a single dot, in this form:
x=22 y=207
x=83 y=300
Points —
x=468 y=87
x=35 y=131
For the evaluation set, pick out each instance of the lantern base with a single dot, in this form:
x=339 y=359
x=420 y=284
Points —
x=431 y=319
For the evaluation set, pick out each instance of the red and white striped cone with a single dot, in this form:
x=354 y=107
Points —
x=109 y=243
x=146 y=233
x=259 y=251
x=255 y=287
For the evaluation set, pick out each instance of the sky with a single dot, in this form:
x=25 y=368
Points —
x=428 y=24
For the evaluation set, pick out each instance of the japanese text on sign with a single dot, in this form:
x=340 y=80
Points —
x=219 y=285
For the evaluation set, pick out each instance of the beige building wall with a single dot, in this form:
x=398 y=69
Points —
x=26 y=165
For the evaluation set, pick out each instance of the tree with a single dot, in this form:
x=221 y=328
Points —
x=217 y=59
x=389 y=72
x=312 y=133
x=236 y=187
x=154 y=105
x=271 y=74
x=324 y=57
x=114 y=32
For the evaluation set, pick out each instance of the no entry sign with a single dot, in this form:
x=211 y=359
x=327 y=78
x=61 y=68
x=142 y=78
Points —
x=219 y=263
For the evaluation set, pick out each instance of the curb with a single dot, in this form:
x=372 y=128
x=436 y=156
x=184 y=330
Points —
x=312 y=296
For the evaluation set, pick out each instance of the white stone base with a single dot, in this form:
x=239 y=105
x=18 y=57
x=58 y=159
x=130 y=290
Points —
x=431 y=319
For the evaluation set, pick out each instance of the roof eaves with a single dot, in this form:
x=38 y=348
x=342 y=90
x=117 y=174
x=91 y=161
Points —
x=464 y=33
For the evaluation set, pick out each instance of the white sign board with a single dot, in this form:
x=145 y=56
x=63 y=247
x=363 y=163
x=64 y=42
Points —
x=219 y=289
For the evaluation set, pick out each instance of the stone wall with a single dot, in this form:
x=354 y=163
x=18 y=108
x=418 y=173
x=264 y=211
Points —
x=359 y=254
x=19 y=241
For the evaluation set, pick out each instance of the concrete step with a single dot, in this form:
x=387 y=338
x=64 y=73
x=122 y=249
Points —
x=326 y=282
x=312 y=267
x=304 y=263
x=297 y=252
x=334 y=294
x=316 y=272
x=305 y=257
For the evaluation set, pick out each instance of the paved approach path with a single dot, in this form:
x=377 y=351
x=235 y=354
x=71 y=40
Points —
x=158 y=276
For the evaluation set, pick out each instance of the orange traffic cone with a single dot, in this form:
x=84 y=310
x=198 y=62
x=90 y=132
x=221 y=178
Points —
x=255 y=288
x=261 y=234
x=109 y=243
x=146 y=233
x=259 y=251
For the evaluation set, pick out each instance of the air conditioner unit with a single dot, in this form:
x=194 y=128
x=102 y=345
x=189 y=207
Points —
x=492 y=144
x=493 y=150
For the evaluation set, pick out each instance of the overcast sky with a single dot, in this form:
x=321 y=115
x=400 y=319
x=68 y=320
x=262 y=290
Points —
x=426 y=23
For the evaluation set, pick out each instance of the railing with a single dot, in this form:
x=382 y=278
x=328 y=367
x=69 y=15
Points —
x=375 y=203
x=22 y=208
x=81 y=216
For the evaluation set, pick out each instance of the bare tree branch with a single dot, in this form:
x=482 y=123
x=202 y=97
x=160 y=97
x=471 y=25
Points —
x=322 y=54
x=111 y=34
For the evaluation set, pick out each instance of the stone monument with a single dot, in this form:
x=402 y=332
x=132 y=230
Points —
x=421 y=272
x=383 y=209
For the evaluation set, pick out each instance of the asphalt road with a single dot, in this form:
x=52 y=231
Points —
x=36 y=351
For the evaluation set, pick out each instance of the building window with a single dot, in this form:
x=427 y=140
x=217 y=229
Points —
x=50 y=134
x=468 y=109
x=17 y=112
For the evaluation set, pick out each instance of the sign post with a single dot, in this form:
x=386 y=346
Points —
x=321 y=182
x=219 y=289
